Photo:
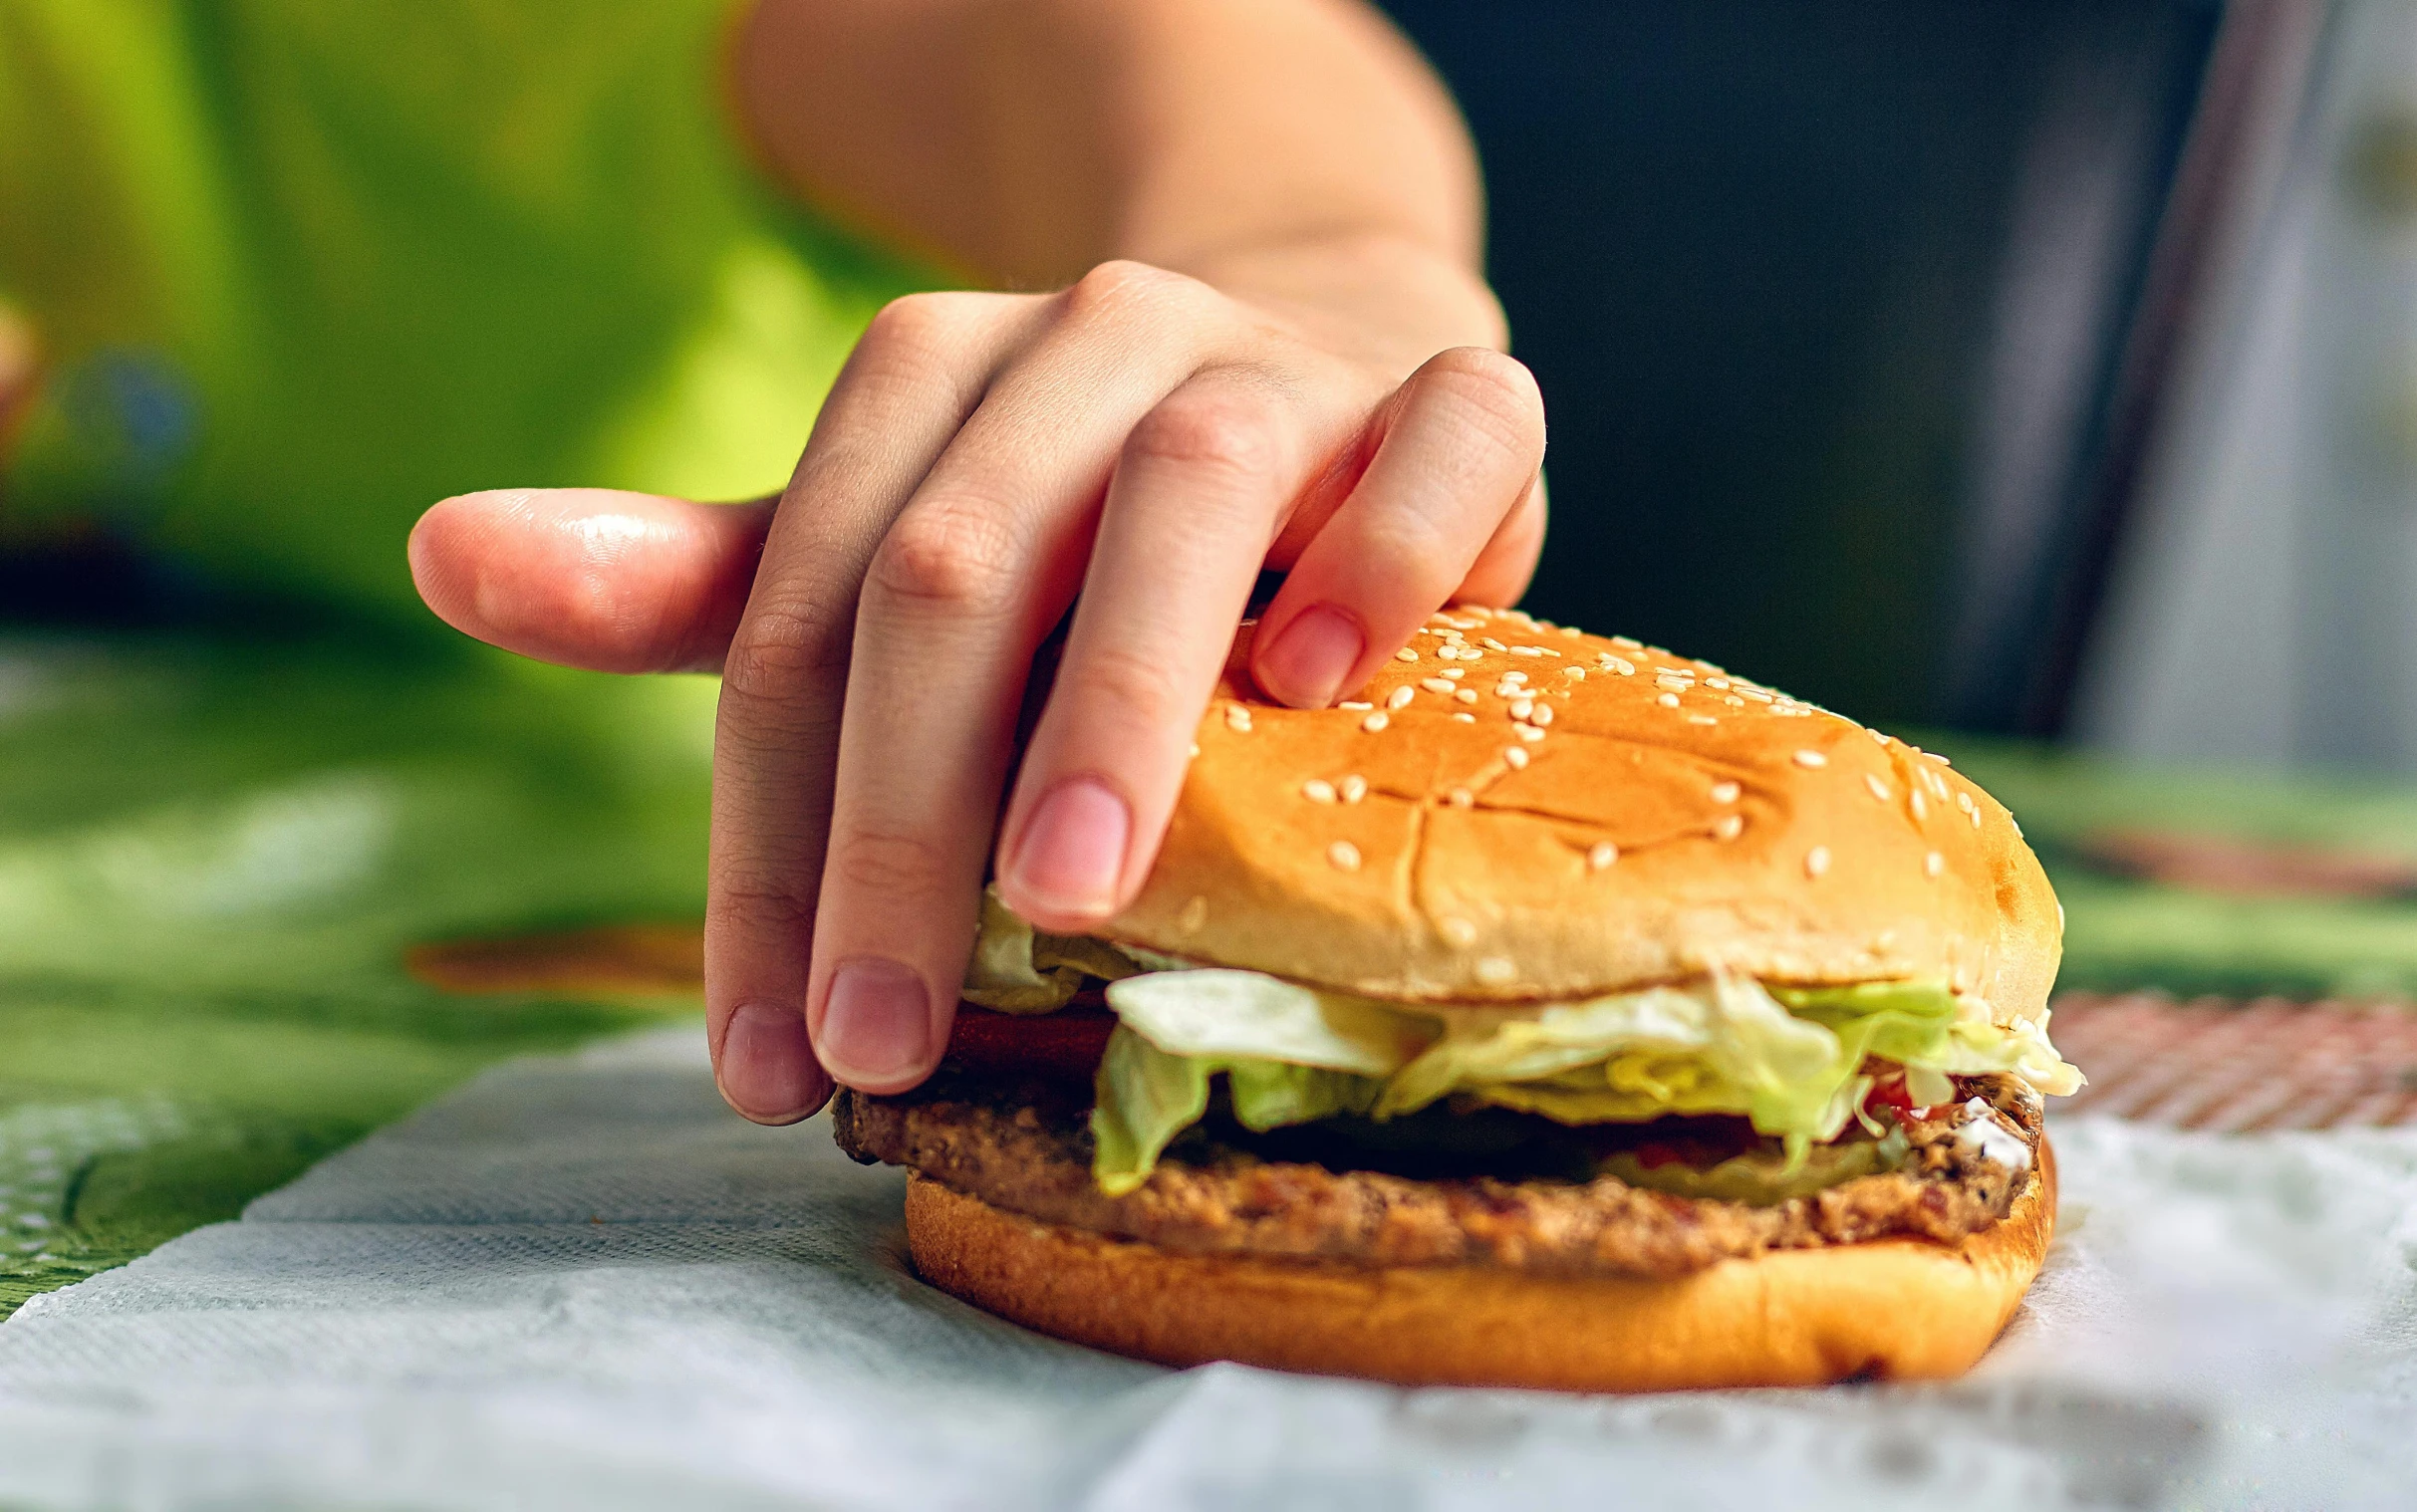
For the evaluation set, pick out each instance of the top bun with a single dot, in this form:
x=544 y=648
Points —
x=1573 y=816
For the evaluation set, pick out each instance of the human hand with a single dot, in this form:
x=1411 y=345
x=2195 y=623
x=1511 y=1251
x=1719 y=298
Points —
x=1144 y=439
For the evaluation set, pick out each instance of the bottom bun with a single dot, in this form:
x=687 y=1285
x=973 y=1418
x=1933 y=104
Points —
x=1895 y=1309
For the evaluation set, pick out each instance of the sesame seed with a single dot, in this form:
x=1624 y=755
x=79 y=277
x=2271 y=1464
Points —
x=1238 y=719
x=1520 y=708
x=1728 y=825
x=1725 y=792
x=1543 y=716
x=1811 y=759
x=1458 y=932
x=1533 y=651
x=1466 y=719
x=1404 y=655
x=1354 y=788
x=1878 y=788
x=1461 y=798
x=1688 y=673
x=1602 y=855
x=1702 y=719
x=1516 y=757
x=1963 y=801
x=1933 y=863
x=1757 y=694
x=1877 y=736
x=1344 y=854
x=1632 y=643
x=1816 y=860
x=1491 y=644
x=1452 y=674
x=1921 y=809
x=1577 y=673
x=1719 y=682
x=1508 y=690
x=1467 y=695
x=1935 y=756
x=1452 y=635
x=1355 y=705
x=1400 y=697
x=1435 y=684
x=1494 y=970
x=1515 y=677
x=1375 y=722
x=1570 y=630
x=1528 y=733
x=1668 y=701
x=1734 y=701
x=1318 y=790
x=1682 y=684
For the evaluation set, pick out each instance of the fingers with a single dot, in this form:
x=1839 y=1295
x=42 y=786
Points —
x=590 y=577
x=975 y=571
x=1448 y=498
x=912 y=381
x=1199 y=489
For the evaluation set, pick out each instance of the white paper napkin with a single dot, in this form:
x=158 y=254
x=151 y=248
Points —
x=581 y=1282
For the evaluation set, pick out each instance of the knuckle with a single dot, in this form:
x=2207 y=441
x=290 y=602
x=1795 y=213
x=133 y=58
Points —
x=957 y=556
x=891 y=864
x=1143 y=686
x=1120 y=285
x=920 y=321
x=754 y=906
x=1493 y=393
x=784 y=648
x=1226 y=434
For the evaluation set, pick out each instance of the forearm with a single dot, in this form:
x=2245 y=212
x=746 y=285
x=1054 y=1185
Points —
x=1294 y=147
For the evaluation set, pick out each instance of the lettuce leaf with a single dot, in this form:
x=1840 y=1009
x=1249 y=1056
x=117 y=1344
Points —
x=1218 y=1013
x=1789 y=1060
x=1016 y=968
x=1146 y=1096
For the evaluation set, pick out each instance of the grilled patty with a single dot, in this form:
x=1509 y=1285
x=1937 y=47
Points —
x=1026 y=1145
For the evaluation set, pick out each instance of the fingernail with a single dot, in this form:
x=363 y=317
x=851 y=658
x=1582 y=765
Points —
x=1073 y=848
x=877 y=1022
x=1306 y=665
x=767 y=1069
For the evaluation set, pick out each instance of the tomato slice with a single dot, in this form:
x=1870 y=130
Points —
x=1065 y=1045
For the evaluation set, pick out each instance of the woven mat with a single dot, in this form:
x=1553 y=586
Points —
x=2234 y=1066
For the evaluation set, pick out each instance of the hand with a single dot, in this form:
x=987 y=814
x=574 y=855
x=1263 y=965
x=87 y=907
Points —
x=1142 y=439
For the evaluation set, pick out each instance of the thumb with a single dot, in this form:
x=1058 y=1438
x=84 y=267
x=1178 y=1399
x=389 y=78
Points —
x=592 y=576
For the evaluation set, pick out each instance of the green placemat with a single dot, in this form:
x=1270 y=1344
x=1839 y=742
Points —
x=212 y=857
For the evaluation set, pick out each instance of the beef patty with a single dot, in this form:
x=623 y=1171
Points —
x=1025 y=1147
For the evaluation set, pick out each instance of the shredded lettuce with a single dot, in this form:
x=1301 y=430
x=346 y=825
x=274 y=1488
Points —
x=1147 y=1097
x=1789 y=1060
x=1019 y=970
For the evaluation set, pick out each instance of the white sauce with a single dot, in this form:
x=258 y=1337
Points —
x=1982 y=1134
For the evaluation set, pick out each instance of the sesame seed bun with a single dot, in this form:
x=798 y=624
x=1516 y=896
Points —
x=1514 y=811
x=1897 y=1309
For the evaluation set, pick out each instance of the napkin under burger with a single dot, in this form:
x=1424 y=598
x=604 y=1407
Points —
x=1560 y=1013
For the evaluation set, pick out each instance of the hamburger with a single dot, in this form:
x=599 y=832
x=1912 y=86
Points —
x=1559 y=1012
